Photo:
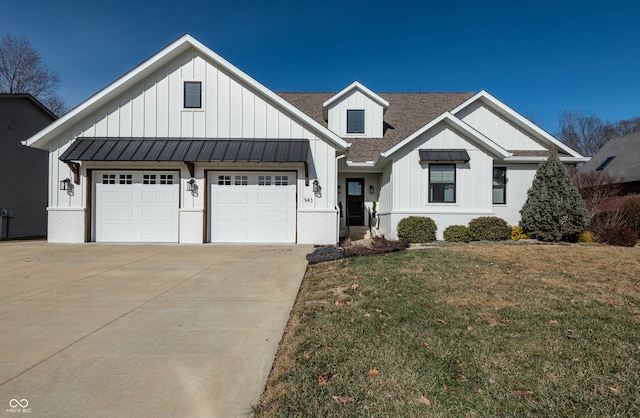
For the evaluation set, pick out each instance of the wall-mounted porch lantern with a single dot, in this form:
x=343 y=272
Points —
x=65 y=184
x=316 y=186
x=371 y=189
x=339 y=189
x=192 y=186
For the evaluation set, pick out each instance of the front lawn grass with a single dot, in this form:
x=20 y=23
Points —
x=540 y=330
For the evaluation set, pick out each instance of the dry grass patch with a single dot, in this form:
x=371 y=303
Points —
x=464 y=331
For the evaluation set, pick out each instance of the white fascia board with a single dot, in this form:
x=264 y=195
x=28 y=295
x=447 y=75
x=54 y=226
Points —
x=453 y=121
x=541 y=159
x=356 y=86
x=177 y=47
x=520 y=120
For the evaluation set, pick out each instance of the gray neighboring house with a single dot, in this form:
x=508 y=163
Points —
x=620 y=157
x=23 y=170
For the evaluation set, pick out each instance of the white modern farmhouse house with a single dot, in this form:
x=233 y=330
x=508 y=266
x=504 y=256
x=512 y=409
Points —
x=187 y=148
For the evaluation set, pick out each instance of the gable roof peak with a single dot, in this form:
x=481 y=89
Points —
x=147 y=67
x=356 y=86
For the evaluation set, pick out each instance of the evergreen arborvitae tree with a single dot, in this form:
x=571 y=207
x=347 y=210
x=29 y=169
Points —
x=554 y=210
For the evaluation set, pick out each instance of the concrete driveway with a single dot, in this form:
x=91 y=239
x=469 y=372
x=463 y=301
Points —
x=141 y=330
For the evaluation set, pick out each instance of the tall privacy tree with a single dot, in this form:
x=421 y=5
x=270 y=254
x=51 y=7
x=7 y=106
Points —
x=554 y=210
x=22 y=71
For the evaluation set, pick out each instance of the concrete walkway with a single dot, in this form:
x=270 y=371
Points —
x=98 y=330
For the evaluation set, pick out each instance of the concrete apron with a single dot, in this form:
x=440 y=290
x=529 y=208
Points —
x=141 y=330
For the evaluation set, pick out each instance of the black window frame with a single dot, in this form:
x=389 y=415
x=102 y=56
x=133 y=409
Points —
x=502 y=186
x=187 y=103
x=432 y=197
x=350 y=129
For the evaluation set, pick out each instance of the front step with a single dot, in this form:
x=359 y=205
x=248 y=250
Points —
x=357 y=233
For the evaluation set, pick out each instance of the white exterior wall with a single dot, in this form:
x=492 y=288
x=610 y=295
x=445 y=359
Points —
x=497 y=128
x=409 y=191
x=231 y=109
x=519 y=179
x=411 y=178
x=66 y=225
x=373 y=114
x=317 y=227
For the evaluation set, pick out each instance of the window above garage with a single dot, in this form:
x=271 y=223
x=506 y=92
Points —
x=192 y=94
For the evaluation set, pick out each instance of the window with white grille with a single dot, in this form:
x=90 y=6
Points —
x=241 y=180
x=224 y=180
x=282 y=180
x=264 y=180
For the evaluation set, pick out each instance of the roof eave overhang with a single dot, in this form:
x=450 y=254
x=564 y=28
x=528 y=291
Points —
x=539 y=159
x=150 y=65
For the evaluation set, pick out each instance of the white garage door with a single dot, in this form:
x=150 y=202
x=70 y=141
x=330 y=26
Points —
x=136 y=206
x=253 y=207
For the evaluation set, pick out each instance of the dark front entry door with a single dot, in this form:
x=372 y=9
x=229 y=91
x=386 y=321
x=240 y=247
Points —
x=355 y=201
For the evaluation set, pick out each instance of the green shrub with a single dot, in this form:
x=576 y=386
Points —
x=489 y=228
x=554 y=210
x=622 y=236
x=457 y=233
x=517 y=233
x=417 y=229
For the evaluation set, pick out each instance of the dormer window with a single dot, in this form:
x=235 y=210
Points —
x=192 y=94
x=355 y=121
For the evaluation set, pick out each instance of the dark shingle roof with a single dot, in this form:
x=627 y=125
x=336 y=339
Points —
x=625 y=165
x=407 y=112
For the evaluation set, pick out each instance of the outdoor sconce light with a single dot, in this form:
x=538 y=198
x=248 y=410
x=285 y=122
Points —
x=339 y=189
x=316 y=186
x=65 y=184
x=191 y=185
x=371 y=190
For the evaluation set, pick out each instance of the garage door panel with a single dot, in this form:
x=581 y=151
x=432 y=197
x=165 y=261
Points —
x=162 y=196
x=229 y=215
x=253 y=207
x=273 y=216
x=277 y=198
x=130 y=208
x=232 y=197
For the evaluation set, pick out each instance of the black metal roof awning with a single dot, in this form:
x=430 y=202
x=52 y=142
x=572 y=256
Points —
x=188 y=150
x=444 y=155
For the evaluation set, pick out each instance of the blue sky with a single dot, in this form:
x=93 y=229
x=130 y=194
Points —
x=540 y=58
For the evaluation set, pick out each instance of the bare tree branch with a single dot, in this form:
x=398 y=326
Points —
x=22 y=71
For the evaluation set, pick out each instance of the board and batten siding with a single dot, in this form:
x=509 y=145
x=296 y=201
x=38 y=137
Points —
x=501 y=131
x=154 y=108
x=411 y=177
x=373 y=114
x=231 y=109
